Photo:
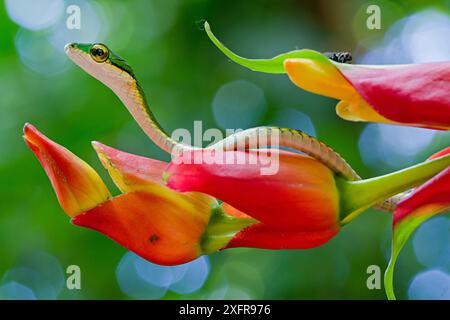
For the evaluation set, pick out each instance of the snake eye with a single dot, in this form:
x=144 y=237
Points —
x=99 y=52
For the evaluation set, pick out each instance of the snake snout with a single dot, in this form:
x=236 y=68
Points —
x=69 y=46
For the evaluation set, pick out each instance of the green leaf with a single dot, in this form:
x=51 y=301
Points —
x=273 y=65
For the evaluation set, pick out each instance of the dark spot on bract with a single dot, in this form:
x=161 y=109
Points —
x=153 y=238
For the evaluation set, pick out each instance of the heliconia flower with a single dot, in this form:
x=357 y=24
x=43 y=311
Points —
x=431 y=198
x=157 y=223
x=304 y=199
x=251 y=192
x=170 y=227
x=133 y=173
x=413 y=95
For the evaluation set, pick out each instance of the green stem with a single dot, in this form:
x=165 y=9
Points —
x=273 y=65
x=357 y=196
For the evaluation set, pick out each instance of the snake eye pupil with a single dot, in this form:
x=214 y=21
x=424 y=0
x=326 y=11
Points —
x=99 y=52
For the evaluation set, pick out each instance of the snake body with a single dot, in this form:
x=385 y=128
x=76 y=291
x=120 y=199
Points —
x=119 y=77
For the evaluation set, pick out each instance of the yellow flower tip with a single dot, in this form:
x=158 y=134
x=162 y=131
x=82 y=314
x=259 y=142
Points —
x=344 y=109
x=359 y=110
x=97 y=145
x=130 y=172
x=119 y=177
x=166 y=176
x=320 y=77
x=77 y=185
x=324 y=78
x=101 y=153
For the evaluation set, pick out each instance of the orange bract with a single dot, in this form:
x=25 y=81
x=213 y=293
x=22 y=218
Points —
x=77 y=186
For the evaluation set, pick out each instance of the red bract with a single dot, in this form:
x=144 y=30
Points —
x=301 y=195
x=269 y=237
x=430 y=198
x=409 y=94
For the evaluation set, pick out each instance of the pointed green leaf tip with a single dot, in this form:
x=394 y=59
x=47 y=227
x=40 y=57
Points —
x=273 y=65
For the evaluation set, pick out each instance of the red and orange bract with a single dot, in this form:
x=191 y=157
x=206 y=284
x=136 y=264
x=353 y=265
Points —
x=169 y=227
x=415 y=95
x=411 y=94
x=300 y=200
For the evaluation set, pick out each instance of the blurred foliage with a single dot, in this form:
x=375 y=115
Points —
x=181 y=71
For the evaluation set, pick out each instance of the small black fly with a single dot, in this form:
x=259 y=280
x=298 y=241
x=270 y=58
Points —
x=342 y=57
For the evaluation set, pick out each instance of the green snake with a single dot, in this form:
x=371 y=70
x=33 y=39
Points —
x=113 y=71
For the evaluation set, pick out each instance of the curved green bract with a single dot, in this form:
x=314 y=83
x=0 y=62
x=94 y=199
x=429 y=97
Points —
x=400 y=234
x=273 y=65
x=426 y=201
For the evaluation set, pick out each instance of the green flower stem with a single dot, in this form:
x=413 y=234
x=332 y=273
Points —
x=221 y=229
x=273 y=65
x=357 y=196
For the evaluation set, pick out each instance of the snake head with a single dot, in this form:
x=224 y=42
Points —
x=101 y=63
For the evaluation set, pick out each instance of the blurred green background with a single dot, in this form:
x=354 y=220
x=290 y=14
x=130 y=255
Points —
x=186 y=78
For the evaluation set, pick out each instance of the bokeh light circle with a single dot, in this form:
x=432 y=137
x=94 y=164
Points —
x=393 y=146
x=94 y=27
x=194 y=275
x=239 y=104
x=16 y=291
x=141 y=279
x=291 y=118
x=432 y=243
x=37 y=53
x=430 y=285
x=40 y=272
x=34 y=15
x=132 y=284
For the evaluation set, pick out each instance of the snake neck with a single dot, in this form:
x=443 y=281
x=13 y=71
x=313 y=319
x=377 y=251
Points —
x=133 y=97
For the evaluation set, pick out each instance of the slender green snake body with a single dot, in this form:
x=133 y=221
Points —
x=115 y=73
